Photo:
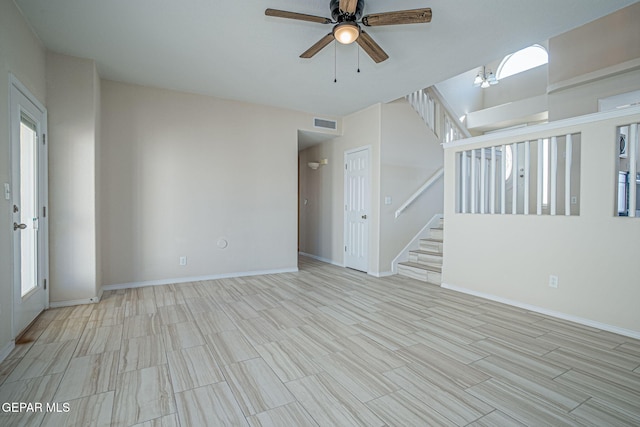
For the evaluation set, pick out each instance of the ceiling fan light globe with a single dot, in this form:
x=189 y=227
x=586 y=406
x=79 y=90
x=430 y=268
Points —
x=346 y=33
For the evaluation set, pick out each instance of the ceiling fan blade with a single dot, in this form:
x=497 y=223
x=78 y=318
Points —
x=413 y=16
x=348 y=6
x=309 y=53
x=371 y=47
x=299 y=16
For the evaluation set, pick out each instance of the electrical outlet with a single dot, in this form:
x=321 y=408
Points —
x=553 y=281
x=574 y=200
x=183 y=260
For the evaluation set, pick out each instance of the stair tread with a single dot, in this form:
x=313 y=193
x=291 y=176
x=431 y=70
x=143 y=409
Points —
x=423 y=252
x=421 y=266
x=431 y=239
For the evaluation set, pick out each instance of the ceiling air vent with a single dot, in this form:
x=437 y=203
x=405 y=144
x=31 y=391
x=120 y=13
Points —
x=325 y=124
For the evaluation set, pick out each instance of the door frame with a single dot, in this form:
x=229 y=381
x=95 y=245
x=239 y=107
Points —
x=43 y=193
x=368 y=148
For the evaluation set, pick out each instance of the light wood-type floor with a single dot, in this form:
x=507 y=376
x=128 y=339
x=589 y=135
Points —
x=326 y=346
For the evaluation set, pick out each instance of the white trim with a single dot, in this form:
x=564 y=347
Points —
x=43 y=185
x=6 y=351
x=551 y=126
x=160 y=282
x=319 y=258
x=69 y=303
x=382 y=274
x=611 y=71
x=13 y=81
x=557 y=314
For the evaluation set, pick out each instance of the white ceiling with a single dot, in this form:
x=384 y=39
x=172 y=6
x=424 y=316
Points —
x=229 y=49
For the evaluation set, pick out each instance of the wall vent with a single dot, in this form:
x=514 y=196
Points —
x=325 y=124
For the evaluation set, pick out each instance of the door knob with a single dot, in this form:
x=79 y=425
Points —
x=20 y=226
x=364 y=217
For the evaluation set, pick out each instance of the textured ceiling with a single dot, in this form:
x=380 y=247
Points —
x=229 y=49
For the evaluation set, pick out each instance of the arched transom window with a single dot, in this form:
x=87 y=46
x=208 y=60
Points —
x=522 y=60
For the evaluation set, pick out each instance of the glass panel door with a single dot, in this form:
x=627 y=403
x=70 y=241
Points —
x=28 y=205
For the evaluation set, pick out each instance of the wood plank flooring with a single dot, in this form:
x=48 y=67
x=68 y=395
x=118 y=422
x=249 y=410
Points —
x=325 y=346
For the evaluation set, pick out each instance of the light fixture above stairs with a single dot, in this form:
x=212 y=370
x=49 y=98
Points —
x=484 y=79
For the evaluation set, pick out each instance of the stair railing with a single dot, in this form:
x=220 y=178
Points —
x=437 y=115
x=424 y=187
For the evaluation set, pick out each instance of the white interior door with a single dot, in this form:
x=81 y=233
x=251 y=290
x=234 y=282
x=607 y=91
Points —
x=357 y=206
x=28 y=195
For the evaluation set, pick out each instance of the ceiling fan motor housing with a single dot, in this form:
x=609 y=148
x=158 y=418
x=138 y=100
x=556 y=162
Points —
x=344 y=17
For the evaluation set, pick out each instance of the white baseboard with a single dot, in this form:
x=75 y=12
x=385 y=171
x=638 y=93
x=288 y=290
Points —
x=383 y=274
x=58 y=304
x=580 y=320
x=7 y=349
x=316 y=257
x=194 y=279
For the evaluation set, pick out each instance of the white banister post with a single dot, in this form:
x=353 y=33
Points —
x=553 y=181
x=503 y=180
x=633 y=168
x=540 y=162
x=473 y=188
x=567 y=175
x=527 y=164
x=515 y=172
x=492 y=182
x=483 y=180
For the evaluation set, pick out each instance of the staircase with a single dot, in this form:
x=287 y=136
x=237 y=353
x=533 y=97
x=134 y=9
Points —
x=425 y=263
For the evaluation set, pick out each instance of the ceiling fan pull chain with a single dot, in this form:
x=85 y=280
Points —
x=335 y=60
x=358 y=48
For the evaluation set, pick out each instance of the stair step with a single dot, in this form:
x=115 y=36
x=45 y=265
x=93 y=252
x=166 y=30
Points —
x=420 y=272
x=436 y=233
x=426 y=258
x=431 y=245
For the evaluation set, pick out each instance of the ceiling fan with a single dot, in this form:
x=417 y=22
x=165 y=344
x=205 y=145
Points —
x=347 y=18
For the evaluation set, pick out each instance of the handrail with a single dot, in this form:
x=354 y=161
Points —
x=448 y=110
x=437 y=114
x=436 y=175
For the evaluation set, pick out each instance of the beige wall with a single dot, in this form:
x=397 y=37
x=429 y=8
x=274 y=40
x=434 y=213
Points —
x=322 y=217
x=182 y=171
x=404 y=154
x=410 y=153
x=594 y=255
x=21 y=54
x=594 y=61
x=605 y=42
x=73 y=100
